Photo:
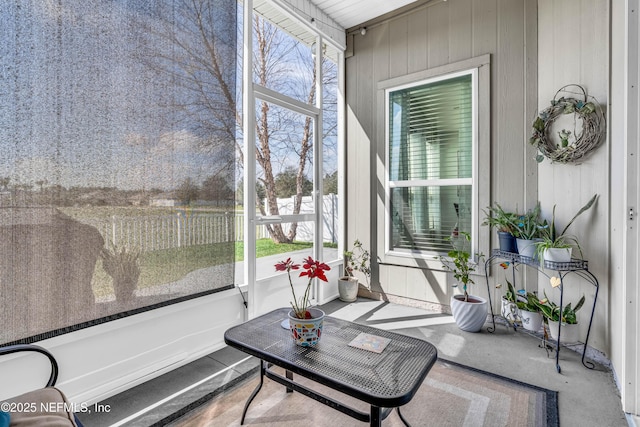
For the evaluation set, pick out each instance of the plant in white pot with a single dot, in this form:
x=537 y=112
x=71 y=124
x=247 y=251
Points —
x=526 y=229
x=357 y=259
x=557 y=247
x=551 y=311
x=305 y=322
x=469 y=311
x=503 y=222
x=530 y=313
x=509 y=307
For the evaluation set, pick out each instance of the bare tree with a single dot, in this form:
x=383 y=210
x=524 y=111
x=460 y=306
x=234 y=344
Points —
x=200 y=65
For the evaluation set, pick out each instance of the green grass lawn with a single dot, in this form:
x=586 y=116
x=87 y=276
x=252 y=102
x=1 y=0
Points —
x=168 y=265
x=266 y=247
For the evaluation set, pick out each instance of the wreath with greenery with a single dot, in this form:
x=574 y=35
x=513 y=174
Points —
x=569 y=147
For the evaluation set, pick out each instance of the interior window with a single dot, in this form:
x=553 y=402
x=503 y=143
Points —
x=430 y=149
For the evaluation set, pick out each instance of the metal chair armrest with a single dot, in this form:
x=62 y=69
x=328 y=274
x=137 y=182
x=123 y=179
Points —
x=35 y=348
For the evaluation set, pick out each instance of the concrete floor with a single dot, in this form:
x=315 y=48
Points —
x=587 y=397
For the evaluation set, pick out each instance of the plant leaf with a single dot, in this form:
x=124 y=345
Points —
x=584 y=208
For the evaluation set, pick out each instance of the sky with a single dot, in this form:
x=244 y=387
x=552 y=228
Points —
x=79 y=105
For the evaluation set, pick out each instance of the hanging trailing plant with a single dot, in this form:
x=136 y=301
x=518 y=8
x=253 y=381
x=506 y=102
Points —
x=569 y=147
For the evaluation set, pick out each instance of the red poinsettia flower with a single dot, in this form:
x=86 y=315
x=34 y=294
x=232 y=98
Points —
x=287 y=265
x=312 y=269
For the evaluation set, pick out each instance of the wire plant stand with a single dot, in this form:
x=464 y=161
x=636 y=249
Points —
x=576 y=266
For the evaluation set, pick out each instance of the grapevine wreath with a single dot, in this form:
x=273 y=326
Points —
x=569 y=149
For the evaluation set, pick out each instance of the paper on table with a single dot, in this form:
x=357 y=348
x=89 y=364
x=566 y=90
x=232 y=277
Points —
x=370 y=342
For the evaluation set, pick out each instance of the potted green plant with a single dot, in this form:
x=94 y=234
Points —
x=557 y=247
x=526 y=229
x=503 y=222
x=357 y=259
x=305 y=322
x=530 y=313
x=568 y=317
x=509 y=307
x=469 y=311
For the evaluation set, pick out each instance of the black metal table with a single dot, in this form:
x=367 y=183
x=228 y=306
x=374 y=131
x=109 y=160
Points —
x=385 y=380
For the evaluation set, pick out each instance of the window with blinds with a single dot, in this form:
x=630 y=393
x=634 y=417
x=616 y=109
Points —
x=431 y=137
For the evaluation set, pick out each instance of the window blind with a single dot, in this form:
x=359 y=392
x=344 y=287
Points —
x=430 y=163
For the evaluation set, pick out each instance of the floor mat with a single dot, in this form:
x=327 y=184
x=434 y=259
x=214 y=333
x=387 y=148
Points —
x=451 y=395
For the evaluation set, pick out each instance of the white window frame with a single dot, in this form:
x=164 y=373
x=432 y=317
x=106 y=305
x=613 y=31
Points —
x=479 y=68
x=473 y=180
x=252 y=93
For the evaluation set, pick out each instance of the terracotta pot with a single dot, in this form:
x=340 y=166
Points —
x=470 y=315
x=307 y=332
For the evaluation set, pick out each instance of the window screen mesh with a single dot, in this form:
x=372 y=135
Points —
x=117 y=163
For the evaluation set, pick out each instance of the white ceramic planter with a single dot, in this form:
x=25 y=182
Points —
x=509 y=311
x=569 y=333
x=307 y=332
x=526 y=247
x=469 y=316
x=531 y=321
x=557 y=254
x=348 y=288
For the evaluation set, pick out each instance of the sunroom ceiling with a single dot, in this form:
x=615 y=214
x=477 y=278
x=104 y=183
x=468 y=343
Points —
x=330 y=17
x=350 y=13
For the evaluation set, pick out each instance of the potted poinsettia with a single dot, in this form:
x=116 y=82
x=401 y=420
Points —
x=305 y=322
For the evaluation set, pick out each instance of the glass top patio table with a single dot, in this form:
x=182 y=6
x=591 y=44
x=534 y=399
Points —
x=388 y=379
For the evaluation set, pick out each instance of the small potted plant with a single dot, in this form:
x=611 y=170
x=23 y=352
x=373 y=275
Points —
x=551 y=312
x=509 y=307
x=530 y=314
x=557 y=247
x=503 y=222
x=357 y=259
x=305 y=323
x=526 y=229
x=469 y=311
